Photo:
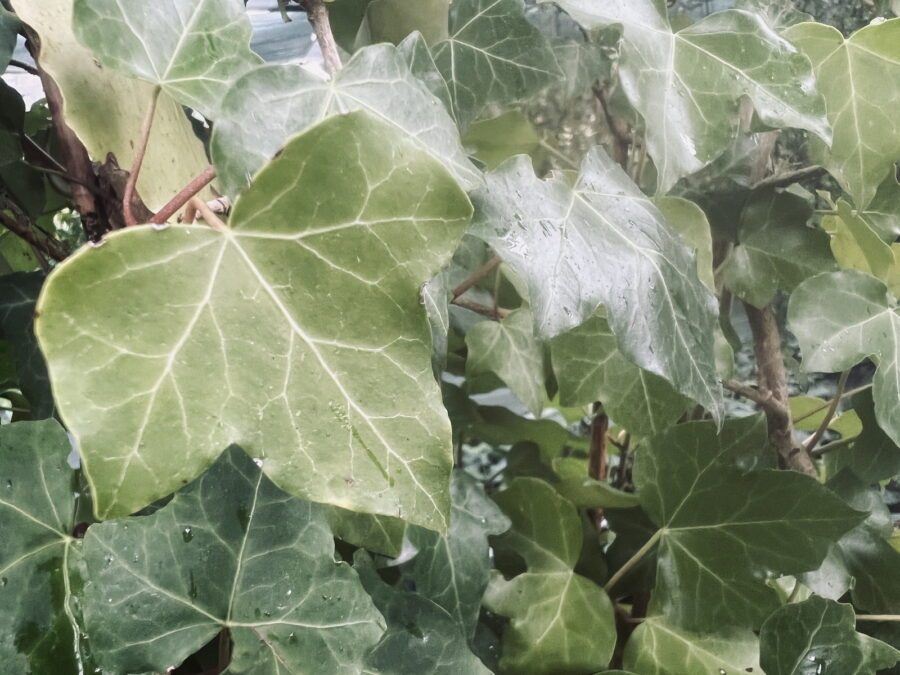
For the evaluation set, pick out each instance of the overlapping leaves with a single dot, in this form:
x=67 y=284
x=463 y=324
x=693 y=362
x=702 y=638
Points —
x=603 y=241
x=844 y=317
x=298 y=387
x=722 y=519
x=687 y=85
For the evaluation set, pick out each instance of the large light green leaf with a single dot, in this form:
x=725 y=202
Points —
x=604 y=242
x=106 y=109
x=818 y=636
x=860 y=79
x=38 y=555
x=282 y=100
x=559 y=621
x=195 y=50
x=723 y=528
x=492 y=56
x=658 y=648
x=844 y=317
x=231 y=551
x=589 y=367
x=193 y=338
x=18 y=296
x=776 y=249
x=687 y=85
x=510 y=349
x=421 y=636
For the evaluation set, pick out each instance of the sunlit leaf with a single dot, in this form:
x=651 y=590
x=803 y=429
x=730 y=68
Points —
x=723 y=527
x=559 y=621
x=857 y=245
x=282 y=100
x=603 y=242
x=859 y=78
x=687 y=85
x=873 y=456
x=658 y=648
x=495 y=140
x=211 y=337
x=844 y=317
x=379 y=534
x=818 y=635
x=493 y=55
x=206 y=562
x=195 y=50
x=414 y=50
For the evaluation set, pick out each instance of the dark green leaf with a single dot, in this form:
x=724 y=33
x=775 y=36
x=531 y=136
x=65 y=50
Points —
x=818 y=636
x=874 y=456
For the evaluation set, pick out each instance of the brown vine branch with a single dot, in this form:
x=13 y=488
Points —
x=184 y=196
x=49 y=247
x=618 y=129
x=21 y=65
x=763 y=399
x=139 y=152
x=813 y=441
x=476 y=276
x=209 y=216
x=773 y=381
x=317 y=13
x=785 y=179
x=826 y=404
x=478 y=308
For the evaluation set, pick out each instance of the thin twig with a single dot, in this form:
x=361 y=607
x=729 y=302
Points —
x=478 y=308
x=633 y=560
x=621 y=141
x=476 y=276
x=31 y=70
x=317 y=13
x=184 y=196
x=785 y=179
x=139 y=152
x=763 y=399
x=813 y=440
x=50 y=248
x=46 y=155
x=878 y=617
x=845 y=394
x=831 y=447
x=208 y=215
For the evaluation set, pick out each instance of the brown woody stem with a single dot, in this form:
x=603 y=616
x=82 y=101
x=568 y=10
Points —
x=49 y=247
x=139 y=152
x=184 y=196
x=317 y=13
x=476 y=276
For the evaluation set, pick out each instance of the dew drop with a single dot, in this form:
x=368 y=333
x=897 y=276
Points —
x=159 y=227
x=187 y=534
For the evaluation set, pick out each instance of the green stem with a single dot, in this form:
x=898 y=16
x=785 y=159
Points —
x=878 y=617
x=849 y=392
x=829 y=415
x=634 y=560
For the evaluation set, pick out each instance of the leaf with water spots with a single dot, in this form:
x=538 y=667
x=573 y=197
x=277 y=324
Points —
x=207 y=562
x=281 y=333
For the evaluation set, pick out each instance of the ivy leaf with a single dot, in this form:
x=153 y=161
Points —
x=93 y=95
x=501 y=426
x=842 y=318
x=857 y=245
x=421 y=636
x=658 y=648
x=393 y=20
x=559 y=620
x=495 y=140
x=18 y=296
x=589 y=367
x=493 y=55
x=688 y=219
x=509 y=349
x=687 y=85
x=195 y=50
x=38 y=555
x=209 y=337
x=723 y=527
x=9 y=28
x=285 y=99
x=604 y=242
x=818 y=635
x=863 y=561
x=414 y=51
x=883 y=212
x=453 y=570
x=874 y=456
x=776 y=249
x=205 y=563
x=586 y=492
x=858 y=77
x=379 y=534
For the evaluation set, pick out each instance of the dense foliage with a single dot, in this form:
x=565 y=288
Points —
x=554 y=337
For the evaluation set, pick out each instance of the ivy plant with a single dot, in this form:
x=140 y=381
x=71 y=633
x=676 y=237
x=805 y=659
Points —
x=487 y=336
